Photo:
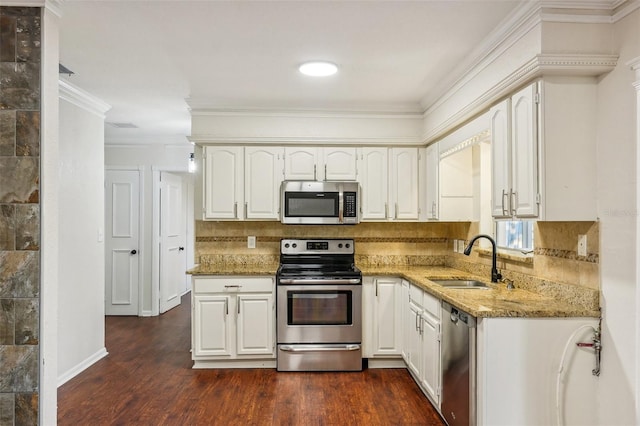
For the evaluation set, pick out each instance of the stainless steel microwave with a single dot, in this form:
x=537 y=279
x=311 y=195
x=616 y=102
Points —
x=319 y=203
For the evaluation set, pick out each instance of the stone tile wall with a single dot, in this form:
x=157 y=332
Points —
x=19 y=214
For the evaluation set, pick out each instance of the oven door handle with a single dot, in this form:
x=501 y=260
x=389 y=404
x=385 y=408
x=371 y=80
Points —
x=320 y=281
x=323 y=348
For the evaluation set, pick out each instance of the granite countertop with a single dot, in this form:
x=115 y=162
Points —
x=497 y=301
x=234 y=269
x=523 y=301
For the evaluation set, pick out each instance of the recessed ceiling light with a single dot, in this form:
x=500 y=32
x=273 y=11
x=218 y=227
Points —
x=318 y=68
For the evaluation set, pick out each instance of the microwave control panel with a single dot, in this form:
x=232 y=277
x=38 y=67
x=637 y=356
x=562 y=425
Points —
x=350 y=205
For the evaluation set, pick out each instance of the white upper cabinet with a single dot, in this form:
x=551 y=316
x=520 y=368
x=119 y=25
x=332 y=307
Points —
x=263 y=175
x=301 y=163
x=374 y=181
x=339 y=163
x=242 y=183
x=223 y=182
x=501 y=158
x=311 y=163
x=390 y=181
x=514 y=126
x=543 y=151
x=432 y=171
x=524 y=152
x=403 y=188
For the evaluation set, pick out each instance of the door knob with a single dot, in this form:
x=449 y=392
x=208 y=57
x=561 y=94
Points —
x=180 y=248
x=134 y=251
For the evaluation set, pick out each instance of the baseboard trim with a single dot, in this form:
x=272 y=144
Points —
x=73 y=372
x=245 y=363
x=386 y=363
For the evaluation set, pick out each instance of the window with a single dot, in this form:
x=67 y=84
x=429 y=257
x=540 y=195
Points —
x=515 y=235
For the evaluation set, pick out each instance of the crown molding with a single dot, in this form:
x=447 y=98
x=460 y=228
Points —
x=144 y=141
x=342 y=141
x=516 y=26
x=204 y=107
x=512 y=29
x=82 y=99
x=483 y=136
x=538 y=66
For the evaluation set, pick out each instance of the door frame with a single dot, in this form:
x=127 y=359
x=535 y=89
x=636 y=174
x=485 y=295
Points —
x=155 y=233
x=141 y=253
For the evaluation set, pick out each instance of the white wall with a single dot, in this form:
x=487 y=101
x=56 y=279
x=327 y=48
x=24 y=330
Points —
x=617 y=189
x=81 y=262
x=149 y=159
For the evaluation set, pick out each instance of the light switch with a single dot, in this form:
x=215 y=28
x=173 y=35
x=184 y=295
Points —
x=582 y=245
x=251 y=241
x=100 y=235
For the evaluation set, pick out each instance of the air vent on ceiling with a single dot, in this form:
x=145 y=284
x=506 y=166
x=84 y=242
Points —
x=122 y=125
x=64 y=70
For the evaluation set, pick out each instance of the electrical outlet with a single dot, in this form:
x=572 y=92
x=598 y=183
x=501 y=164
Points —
x=455 y=246
x=460 y=246
x=251 y=241
x=582 y=245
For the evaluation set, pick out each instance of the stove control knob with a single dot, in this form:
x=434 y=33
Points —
x=286 y=245
x=294 y=245
x=348 y=245
x=340 y=245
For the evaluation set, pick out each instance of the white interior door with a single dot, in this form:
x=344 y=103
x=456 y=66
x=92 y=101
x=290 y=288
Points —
x=122 y=190
x=173 y=260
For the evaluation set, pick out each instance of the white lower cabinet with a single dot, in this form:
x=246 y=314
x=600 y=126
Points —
x=233 y=319
x=422 y=344
x=382 y=317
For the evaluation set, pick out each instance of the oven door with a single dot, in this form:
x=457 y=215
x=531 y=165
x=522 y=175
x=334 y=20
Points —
x=319 y=313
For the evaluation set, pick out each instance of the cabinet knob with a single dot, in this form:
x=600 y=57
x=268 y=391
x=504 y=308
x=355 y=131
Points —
x=134 y=251
x=180 y=248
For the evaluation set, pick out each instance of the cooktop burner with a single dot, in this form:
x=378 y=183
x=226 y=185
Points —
x=317 y=258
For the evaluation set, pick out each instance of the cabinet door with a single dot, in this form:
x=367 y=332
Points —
x=339 y=164
x=223 y=182
x=432 y=171
x=387 y=325
x=501 y=159
x=374 y=180
x=404 y=183
x=524 y=142
x=414 y=361
x=404 y=306
x=263 y=176
x=212 y=326
x=300 y=163
x=431 y=356
x=255 y=323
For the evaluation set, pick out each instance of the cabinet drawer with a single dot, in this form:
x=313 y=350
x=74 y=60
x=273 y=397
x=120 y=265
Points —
x=233 y=285
x=416 y=294
x=431 y=304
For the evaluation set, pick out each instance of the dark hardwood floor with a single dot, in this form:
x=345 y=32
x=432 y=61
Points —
x=147 y=380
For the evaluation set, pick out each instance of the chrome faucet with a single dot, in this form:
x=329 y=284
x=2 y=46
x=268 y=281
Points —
x=495 y=275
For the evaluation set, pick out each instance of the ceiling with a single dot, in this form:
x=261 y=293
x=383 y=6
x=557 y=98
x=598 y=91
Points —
x=145 y=58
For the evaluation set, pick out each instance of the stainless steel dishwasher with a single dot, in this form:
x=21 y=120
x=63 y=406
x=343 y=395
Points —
x=458 y=366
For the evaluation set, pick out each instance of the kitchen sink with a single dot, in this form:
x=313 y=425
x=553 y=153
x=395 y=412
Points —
x=462 y=284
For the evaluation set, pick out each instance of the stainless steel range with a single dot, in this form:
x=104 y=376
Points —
x=319 y=306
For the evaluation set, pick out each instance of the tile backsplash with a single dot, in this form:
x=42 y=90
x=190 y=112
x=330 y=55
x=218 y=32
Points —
x=555 y=258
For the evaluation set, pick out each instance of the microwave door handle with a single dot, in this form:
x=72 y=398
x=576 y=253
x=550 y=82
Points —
x=340 y=205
